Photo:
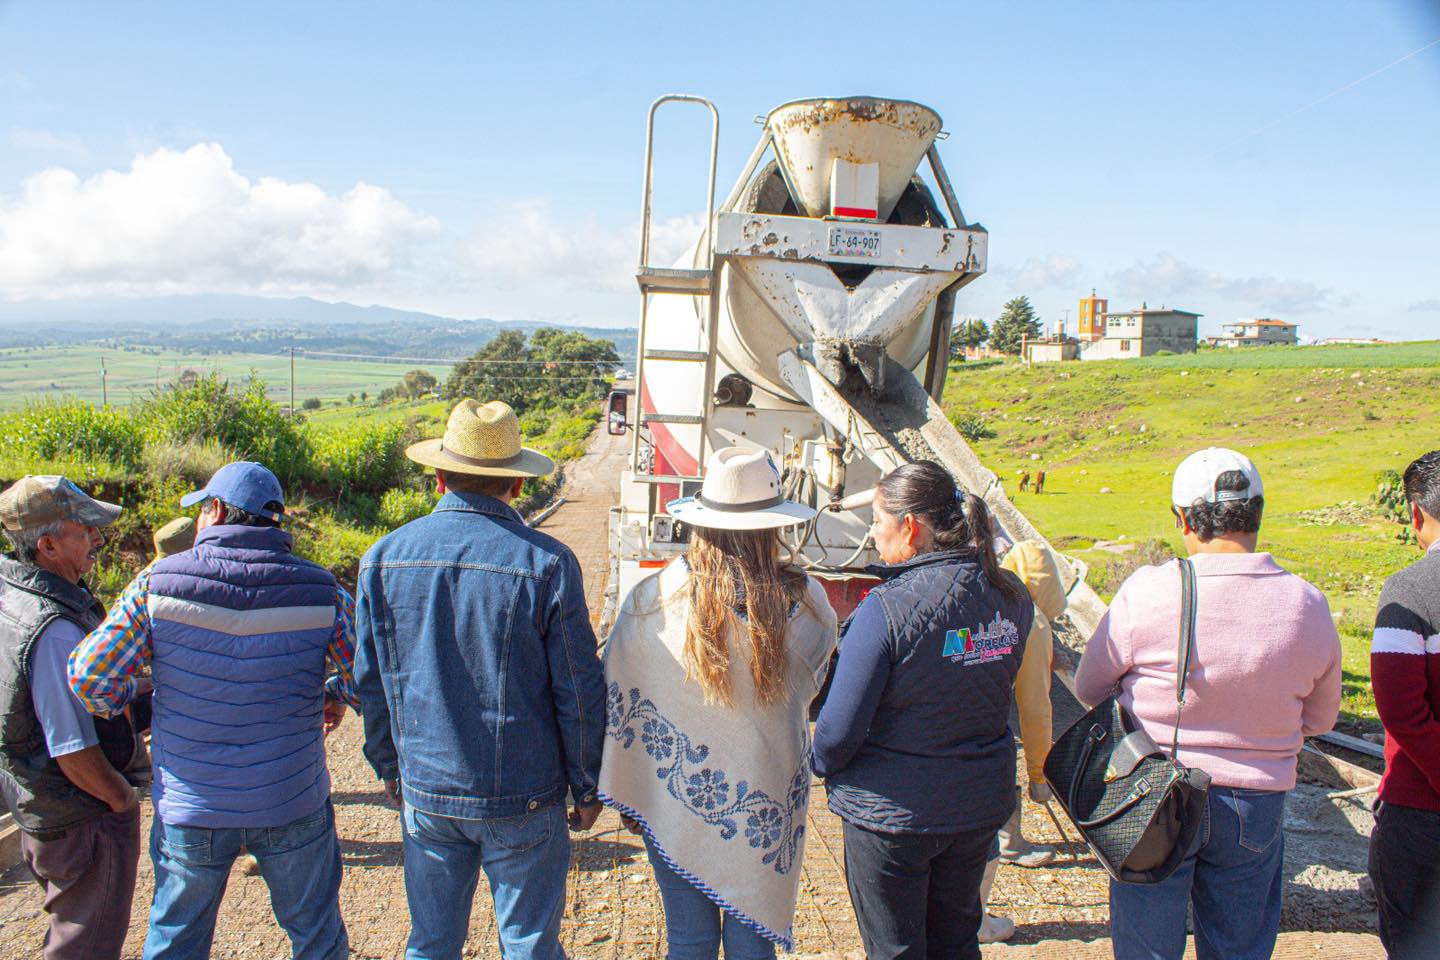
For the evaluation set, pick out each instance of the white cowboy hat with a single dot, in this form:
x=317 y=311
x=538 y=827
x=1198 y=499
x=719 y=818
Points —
x=482 y=439
x=741 y=492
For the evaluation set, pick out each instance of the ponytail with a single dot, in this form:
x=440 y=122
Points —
x=959 y=520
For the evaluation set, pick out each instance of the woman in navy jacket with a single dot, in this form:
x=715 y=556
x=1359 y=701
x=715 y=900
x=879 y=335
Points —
x=914 y=741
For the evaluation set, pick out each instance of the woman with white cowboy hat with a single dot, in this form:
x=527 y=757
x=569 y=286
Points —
x=709 y=671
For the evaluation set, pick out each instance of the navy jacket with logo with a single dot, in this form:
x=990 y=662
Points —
x=915 y=736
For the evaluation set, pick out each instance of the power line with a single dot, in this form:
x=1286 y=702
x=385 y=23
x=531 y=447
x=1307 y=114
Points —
x=452 y=361
x=1333 y=93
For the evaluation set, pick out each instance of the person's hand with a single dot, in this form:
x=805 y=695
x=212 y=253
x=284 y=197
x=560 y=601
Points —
x=631 y=824
x=392 y=793
x=1040 y=791
x=334 y=714
x=128 y=800
x=583 y=818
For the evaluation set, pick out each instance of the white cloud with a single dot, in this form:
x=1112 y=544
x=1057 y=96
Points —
x=179 y=222
x=1167 y=279
x=1049 y=272
x=48 y=142
x=1424 y=306
x=524 y=243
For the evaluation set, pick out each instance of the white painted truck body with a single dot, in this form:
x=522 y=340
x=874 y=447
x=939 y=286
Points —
x=810 y=329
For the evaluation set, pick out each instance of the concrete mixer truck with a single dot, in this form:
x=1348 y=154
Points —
x=810 y=317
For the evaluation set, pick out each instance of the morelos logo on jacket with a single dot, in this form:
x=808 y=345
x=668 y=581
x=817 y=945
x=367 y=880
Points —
x=967 y=647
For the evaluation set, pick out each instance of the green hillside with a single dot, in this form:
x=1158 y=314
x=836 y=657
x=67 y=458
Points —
x=1320 y=422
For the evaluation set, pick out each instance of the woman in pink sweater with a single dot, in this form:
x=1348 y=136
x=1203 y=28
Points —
x=1265 y=675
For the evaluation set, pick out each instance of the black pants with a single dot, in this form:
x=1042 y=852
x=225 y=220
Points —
x=917 y=895
x=1405 y=868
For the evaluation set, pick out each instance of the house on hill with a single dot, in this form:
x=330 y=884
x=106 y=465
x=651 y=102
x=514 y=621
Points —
x=1143 y=333
x=1258 y=333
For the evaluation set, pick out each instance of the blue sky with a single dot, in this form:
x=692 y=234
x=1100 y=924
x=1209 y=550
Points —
x=485 y=160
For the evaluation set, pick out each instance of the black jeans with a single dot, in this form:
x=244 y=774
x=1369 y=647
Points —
x=917 y=895
x=1405 y=868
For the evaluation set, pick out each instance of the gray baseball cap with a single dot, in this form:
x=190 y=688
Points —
x=34 y=501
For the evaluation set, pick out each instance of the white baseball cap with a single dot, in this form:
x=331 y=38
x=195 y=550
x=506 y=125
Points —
x=1197 y=474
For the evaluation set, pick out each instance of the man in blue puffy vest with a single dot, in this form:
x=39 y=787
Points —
x=237 y=631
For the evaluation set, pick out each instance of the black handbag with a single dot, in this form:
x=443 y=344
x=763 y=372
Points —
x=1138 y=809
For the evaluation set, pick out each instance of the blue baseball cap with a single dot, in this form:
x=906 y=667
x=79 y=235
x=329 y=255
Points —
x=244 y=484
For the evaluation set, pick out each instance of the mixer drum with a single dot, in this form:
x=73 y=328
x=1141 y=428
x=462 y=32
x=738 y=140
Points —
x=751 y=336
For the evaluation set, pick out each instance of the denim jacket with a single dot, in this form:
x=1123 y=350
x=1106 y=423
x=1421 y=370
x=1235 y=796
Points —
x=476 y=665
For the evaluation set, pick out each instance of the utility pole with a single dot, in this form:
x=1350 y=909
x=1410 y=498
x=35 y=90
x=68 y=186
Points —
x=104 y=389
x=292 y=383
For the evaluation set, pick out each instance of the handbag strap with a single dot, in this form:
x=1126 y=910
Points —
x=1187 y=644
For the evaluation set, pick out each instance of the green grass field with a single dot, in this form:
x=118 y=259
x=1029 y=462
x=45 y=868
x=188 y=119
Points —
x=32 y=374
x=1320 y=422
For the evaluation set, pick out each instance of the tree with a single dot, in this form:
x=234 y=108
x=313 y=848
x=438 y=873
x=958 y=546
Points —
x=1017 y=323
x=968 y=333
x=555 y=366
x=310 y=403
x=364 y=395
x=351 y=399
x=418 y=383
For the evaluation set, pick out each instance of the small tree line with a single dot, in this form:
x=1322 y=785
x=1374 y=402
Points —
x=1017 y=323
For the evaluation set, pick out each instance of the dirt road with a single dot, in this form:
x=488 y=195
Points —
x=614 y=908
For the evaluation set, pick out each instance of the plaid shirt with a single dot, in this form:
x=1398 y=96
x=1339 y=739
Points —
x=102 y=666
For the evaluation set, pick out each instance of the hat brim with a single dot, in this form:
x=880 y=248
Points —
x=97 y=513
x=529 y=463
x=787 y=513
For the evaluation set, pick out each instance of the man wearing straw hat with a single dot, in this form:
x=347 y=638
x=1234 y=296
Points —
x=483 y=696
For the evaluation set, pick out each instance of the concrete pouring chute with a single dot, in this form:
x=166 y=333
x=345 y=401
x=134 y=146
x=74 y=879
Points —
x=810 y=134
x=816 y=307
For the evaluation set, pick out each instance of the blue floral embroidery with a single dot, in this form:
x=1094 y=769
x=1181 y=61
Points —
x=770 y=825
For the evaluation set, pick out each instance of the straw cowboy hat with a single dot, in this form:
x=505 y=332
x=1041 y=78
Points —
x=741 y=492
x=482 y=438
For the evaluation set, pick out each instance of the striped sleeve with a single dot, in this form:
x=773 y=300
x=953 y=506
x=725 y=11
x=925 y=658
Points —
x=1400 y=653
x=102 y=666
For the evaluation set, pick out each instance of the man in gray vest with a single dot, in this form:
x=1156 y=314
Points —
x=60 y=767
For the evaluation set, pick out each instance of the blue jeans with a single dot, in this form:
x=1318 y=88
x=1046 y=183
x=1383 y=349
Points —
x=695 y=927
x=526 y=860
x=299 y=861
x=1232 y=879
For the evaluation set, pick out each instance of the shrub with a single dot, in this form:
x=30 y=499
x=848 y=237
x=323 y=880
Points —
x=973 y=428
x=195 y=461
x=398 y=507
x=1150 y=552
x=71 y=430
x=248 y=423
x=364 y=457
x=310 y=403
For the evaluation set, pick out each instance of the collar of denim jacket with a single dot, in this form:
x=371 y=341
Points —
x=477 y=503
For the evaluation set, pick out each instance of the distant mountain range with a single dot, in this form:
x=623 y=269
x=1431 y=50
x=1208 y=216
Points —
x=237 y=323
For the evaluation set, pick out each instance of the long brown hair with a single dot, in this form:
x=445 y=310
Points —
x=772 y=585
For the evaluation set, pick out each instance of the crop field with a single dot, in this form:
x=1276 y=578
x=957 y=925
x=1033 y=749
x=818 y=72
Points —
x=133 y=373
x=1320 y=423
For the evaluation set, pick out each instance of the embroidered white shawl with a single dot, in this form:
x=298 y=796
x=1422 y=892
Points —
x=721 y=791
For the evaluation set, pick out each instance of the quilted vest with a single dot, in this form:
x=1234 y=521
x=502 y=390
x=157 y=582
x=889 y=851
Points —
x=939 y=755
x=239 y=629
x=38 y=794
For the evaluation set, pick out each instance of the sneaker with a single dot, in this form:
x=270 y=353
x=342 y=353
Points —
x=995 y=929
x=1035 y=856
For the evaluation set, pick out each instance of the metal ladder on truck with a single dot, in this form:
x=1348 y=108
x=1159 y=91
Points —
x=657 y=281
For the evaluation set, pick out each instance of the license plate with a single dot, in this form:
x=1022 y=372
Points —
x=853 y=242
